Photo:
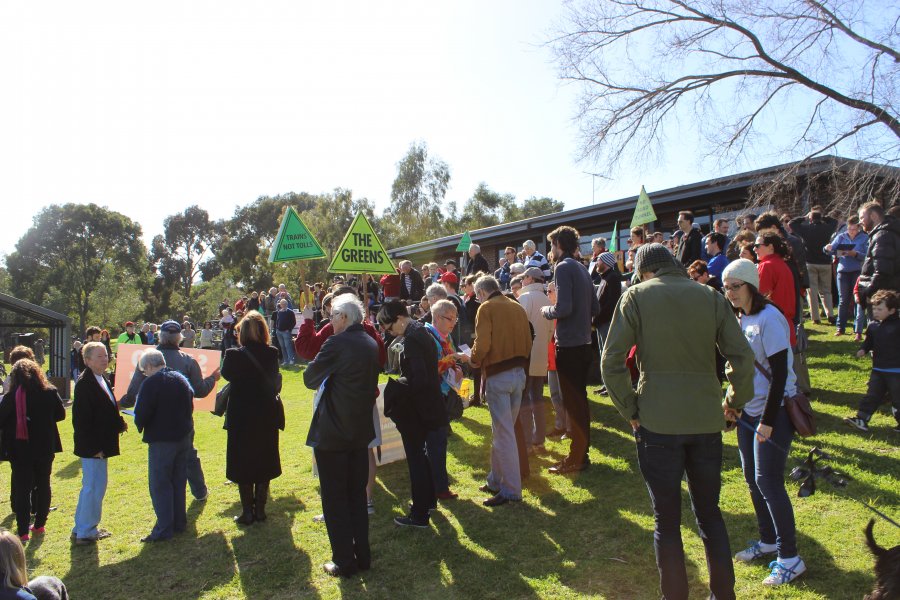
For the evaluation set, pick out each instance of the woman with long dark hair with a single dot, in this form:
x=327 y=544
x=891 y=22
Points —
x=776 y=281
x=28 y=416
x=766 y=431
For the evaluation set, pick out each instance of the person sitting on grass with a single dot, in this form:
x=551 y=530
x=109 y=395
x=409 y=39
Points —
x=14 y=584
x=883 y=341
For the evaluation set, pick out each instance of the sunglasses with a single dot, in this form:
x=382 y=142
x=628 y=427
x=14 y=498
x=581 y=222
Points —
x=758 y=245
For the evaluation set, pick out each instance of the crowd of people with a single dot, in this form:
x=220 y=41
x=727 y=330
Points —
x=733 y=308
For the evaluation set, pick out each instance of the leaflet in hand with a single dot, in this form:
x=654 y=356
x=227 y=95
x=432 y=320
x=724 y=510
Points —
x=464 y=349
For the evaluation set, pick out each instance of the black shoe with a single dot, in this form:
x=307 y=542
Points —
x=261 y=494
x=566 y=467
x=246 y=492
x=150 y=538
x=335 y=571
x=410 y=522
x=496 y=500
x=487 y=490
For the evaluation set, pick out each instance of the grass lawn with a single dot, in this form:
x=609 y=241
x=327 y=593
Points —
x=584 y=536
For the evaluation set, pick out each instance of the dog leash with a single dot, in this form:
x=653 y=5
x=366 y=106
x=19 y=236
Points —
x=749 y=427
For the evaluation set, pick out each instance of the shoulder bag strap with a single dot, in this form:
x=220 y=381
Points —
x=763 y=370
x=259 y=367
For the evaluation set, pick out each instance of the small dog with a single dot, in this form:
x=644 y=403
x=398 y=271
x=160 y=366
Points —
x=887 y=568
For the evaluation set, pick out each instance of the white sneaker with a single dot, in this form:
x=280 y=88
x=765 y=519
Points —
x=319 y=519
x=785 y=571
x=756 y=550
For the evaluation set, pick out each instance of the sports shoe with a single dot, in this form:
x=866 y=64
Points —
x=370 y=507
x=24 y=538
x=319 y=519
x=860 y=424
x=36 y=530
x=410 y=522
x=782 y=573
x=756 y=550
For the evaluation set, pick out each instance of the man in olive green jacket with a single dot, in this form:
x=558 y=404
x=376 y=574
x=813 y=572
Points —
x=677 y=410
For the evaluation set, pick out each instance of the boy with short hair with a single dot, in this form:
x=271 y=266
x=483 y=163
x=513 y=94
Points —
x=883 y=340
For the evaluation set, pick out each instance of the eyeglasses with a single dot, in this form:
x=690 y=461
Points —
x=451 y=319
x=734 y=286
x=759 y=244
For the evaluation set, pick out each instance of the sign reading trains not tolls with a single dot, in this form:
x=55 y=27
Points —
x=361 y=251
x=294 y=240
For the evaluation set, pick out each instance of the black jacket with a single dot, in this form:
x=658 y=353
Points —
x=343 y=419
x=418 y=286
x=816 y=235
x=883 y=340
x=689 y=247
x=608 y=293
x=419 y=406
x=881 y=268
x=96 y=421
x=479 y=264
x=43 y=409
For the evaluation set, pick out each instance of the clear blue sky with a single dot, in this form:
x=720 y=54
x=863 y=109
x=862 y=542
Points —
x=149 y=108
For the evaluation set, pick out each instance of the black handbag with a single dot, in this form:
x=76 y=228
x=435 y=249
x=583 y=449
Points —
x=453 y=405
x=222 y=400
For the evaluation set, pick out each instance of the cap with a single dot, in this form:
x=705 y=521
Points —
x=448 y=277
x=171 y=327
x=650 y=257
x=608 y=259
x=534 y=273
x=744 y=270
x=129 y=324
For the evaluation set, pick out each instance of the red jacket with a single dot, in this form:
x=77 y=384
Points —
x=309 y=341
x=776 y=282
x=390 y=285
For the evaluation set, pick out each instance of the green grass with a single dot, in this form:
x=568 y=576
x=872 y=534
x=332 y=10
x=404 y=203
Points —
x=589 y=536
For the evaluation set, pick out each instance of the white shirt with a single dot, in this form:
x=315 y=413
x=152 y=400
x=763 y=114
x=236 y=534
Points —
x=102 y=383
x=768 y=333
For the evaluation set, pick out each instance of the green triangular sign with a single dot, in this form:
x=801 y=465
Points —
x=294 y=241
x=643 y=212
x=614 y=241
x=464 y=243
x=361 y=251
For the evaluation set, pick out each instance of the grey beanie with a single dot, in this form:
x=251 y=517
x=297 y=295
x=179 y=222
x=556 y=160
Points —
x=608 y=259
x=651 y=257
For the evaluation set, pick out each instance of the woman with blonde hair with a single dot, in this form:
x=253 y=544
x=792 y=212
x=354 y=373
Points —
x=28 y=416
x=14 y=584
x=253 y=416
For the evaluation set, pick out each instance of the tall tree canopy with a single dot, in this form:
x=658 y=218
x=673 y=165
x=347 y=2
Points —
x=59 y=261
x=417 y=196
x=779 y=77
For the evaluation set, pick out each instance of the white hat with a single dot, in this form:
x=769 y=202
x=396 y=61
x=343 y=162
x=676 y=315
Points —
x=743 y=270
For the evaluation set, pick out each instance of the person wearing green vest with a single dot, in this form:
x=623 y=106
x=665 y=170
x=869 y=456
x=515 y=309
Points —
x=129 y=336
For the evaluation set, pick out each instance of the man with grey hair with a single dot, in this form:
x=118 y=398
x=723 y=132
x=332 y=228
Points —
x=477 y=262
x=412 y=286
x=501 y=349
x=598 y=247
x=187 y=365
x=533 y=258
x=677 y=412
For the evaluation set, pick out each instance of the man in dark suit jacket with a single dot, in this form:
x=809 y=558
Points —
x=341 y=431
x=412 y=286
x=477 y=262
x=690 y=242
x=97 y=424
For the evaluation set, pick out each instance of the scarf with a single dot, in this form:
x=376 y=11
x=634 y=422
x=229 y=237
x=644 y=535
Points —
x=21 y=420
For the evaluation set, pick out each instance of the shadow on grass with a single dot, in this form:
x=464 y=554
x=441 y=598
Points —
x=69 y=471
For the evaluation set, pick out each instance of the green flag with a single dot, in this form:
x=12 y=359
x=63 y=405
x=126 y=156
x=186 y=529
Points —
x=643 y=212
x=614 y=242
x=464 y=243
x=294 y=240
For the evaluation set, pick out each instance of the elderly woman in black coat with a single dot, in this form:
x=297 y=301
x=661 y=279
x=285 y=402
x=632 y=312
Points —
x=341 y=430
x=28 y=417
x=253 y=416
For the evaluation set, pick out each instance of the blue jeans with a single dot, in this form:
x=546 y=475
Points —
x=561 y=420
x=503 y=393
x=195 y=477
x=763 y=466
x=287 y=346
x=167 y=476
x=436 y=448
x=847 y=306
x=531 y=413
x=90 y=499
x=664 y=460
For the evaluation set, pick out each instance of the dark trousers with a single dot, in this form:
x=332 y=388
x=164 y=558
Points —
x=763 y=465
x=664 y=460
x=32 y=484
x=881 y=383
x=420 y=480
x=342 y=480
x=436 y=446
x=572 y=364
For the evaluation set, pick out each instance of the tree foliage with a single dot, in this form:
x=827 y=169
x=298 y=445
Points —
x=820 y=75
x=417 y=196
x=62 y=256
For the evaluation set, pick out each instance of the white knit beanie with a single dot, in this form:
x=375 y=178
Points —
x=744 y=270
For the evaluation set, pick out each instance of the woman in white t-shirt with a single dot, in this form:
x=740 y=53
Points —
x=769 y=335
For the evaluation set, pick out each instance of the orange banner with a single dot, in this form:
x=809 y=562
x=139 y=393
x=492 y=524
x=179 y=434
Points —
x=127 y=359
